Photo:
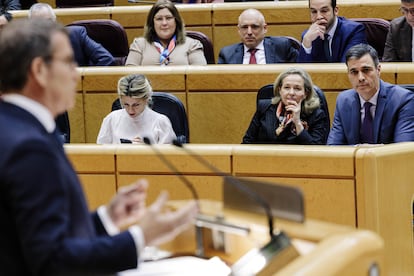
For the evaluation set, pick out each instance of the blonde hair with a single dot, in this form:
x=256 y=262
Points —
x=135 y=86
x=311 y=101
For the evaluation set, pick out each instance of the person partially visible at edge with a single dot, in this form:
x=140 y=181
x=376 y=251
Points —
x=292 y=116
x=329 y=36
x=252 y=29
x=136 y=119
x=47 y=228
x=5 y=7
x=391 y=107
x=399 y=44
x=164 y=41
x=87 y=51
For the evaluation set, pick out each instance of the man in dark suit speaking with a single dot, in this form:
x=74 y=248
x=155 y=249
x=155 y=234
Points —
x=255 y=47
x=46 y=228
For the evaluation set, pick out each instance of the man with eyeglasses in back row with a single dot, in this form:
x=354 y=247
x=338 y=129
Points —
x=399 y=43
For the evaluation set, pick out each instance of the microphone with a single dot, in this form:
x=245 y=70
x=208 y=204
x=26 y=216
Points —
x=173 y=169
x=235 y=182
x=202 y=220
x=275 y=254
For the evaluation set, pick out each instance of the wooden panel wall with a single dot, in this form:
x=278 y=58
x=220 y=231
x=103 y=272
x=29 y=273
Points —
x=220 y=99
x=219 y=21
x=365 y=187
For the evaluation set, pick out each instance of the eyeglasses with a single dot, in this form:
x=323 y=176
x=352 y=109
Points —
x=161 y=18
x=406 y=11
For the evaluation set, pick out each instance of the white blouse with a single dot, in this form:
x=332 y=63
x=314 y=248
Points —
x=119 y=125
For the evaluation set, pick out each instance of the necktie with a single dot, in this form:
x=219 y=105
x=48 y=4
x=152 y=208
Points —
x=326 y=48
x=367 y=133
x=252 y=56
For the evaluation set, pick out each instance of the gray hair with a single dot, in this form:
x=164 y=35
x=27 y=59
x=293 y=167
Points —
x=41 y=10
x=21 y=41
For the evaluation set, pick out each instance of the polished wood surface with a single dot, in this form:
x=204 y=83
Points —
x=220 y=100
x=219 y=20
x=364 y=187
x=385 y=199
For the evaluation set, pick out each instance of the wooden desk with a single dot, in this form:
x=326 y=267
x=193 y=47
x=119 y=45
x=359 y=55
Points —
x=219 y=20
x=364 y=187
x=220 y=100
x=325 y=248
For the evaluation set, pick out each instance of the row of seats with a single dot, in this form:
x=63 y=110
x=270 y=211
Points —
x=106 y=31
x=173 y=108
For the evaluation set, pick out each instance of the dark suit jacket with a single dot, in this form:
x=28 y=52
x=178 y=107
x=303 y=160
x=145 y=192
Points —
x=87 y=51
x=8 y=5
x=393 y=121
x=264 y=123
x=399 y=41
x=277 y=50
x=46 y=228
x=347 y=34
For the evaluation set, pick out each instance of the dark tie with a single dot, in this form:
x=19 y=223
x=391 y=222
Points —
x=252 y=56
x=326 y=48
x=367 y=133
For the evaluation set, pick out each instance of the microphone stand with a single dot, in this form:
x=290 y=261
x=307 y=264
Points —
x=262 y=261
x=201 y=220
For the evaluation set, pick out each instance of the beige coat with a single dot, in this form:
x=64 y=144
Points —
x=141 y=52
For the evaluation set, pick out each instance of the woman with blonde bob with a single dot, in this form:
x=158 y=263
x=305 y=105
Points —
x=292 y=116
x=136 y=119
x=165 y=41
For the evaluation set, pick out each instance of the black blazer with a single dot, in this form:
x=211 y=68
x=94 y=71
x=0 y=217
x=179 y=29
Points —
x=264 y=123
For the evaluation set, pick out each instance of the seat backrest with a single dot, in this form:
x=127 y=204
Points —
x=110 y=34
x=207 y=45
x=376 y=30
x=294 y=42
x=62 y=123
x=83 y=3
x=266 y=92
x=173 y=108
x=26 y=4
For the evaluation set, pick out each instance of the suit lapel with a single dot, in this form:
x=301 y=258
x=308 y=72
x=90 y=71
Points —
x=379 y=110
x=268 y=44
x=355 y=120
x=406 y=39
x=239 y=53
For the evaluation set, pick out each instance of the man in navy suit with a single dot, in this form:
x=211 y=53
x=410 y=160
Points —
x=390 y=107
x=329 y=36
x=87 y=51
x=46 y=228
x=252 y=29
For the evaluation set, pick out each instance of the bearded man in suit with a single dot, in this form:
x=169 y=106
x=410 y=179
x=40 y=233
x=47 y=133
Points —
x=399 y=44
